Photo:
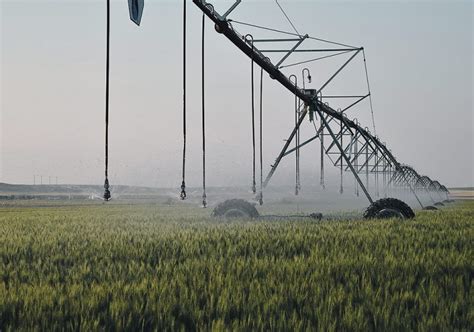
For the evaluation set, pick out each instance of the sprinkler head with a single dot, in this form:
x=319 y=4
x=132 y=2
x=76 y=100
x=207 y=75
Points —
x=204 y=200
x=107 y=195
x=183 y=191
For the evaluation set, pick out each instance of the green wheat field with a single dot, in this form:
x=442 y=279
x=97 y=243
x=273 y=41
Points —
x=157 y=267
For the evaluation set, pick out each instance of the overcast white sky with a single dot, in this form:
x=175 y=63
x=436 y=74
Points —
x=419 y=53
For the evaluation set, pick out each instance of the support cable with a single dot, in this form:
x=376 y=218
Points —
x=370 y=94
x=107 y=195
x=289 y=33
x=288 y=19
x=183 y=183
x=313 y=60
x=203 y=111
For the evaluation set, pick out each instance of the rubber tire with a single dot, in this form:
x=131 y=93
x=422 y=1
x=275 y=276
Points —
x=246 y=209
x=376 y=207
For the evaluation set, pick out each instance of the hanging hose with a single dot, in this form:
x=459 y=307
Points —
x=298 y=173
x=107 y=195
x=367 y=166
x=356 y=162
x=321 y=181
x=341 y=189
x=377 y=174
x=183 y=183
x=254 y=184
x=296 y=136
x=384 y=177
x=260 y=196
x=389 y=178
x=203 y=109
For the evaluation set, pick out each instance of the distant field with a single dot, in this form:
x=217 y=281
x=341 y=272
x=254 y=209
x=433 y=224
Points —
x=462 y=193
x=167 y=267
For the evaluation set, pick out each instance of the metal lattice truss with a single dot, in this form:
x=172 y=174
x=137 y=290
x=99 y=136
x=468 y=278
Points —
x=349 y=146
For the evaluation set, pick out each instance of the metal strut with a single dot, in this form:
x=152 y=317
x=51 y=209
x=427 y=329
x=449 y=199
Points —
x=231 y=9
x=285 y=147
x=345 y=156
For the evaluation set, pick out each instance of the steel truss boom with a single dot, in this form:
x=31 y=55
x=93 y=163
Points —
x=374 y=149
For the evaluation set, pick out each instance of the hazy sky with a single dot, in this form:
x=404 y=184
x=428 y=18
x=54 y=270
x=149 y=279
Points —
x=419 y=53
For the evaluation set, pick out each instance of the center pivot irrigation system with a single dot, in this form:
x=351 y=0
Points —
x=348 y=145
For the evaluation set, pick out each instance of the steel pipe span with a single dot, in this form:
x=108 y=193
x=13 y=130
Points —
x=376 y=157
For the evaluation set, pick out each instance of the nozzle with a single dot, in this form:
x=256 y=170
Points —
x=204 y=200
x=107 y=195
x=183 y=191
